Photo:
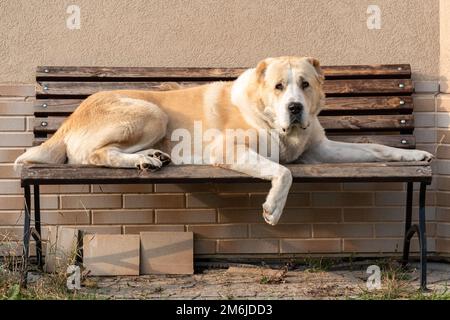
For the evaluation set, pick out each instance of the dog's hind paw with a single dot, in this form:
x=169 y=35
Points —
x=149 y=163
x=162 y=156
x=157 y=154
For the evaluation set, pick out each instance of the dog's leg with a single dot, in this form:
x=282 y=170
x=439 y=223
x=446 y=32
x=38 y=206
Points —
x=328 y=151
x=255 y=165
x=113 y=157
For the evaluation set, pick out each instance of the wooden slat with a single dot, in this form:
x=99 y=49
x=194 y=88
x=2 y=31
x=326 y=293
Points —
x=331 y=87
x=47 y=125
x=368 y=87
x=56 y=72
x=351 y=172
x=352 y=71
x=361 y=105
x=368 y=71
x=335 y=123
x=404 y=141
x=55 y=107
x=375 y=122
x=353 y=105
x=87 y=88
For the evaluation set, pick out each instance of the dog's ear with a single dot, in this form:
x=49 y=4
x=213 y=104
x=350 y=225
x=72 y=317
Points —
x=261 y=69
x=316 y=64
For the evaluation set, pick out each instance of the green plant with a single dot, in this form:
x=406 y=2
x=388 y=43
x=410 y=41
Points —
x=318 y=264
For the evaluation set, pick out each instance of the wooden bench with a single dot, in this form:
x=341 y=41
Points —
x=363 y=104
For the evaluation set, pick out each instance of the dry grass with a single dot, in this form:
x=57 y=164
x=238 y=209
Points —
x=42 y=287
x=46 y=287
x=396 y=285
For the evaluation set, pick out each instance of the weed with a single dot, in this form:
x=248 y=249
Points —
x=318 y=264
x=264 y=280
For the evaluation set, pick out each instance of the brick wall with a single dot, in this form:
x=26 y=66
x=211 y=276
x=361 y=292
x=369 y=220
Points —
x=14 y=138
x=443 y=181
x=443 y=135
x=344 y=219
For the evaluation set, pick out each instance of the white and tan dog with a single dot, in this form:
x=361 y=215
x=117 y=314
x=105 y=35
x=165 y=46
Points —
x=131 y=128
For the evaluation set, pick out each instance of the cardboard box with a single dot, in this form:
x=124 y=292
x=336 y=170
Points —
x=111 y=254
x=167 y=253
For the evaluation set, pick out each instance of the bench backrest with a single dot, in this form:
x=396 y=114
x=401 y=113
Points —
x=364 y=103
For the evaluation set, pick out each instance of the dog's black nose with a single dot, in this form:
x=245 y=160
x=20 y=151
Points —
x=295 y=107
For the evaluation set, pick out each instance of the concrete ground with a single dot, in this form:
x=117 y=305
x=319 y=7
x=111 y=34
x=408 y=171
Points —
x=345 y=281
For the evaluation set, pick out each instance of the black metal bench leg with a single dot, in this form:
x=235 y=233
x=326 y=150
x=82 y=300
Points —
x=26 y=234
x=37 y=225
x=422 y=237
x=408 y=218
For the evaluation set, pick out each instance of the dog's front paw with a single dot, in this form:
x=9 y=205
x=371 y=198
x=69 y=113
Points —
x=271 y=213
x=417 y=155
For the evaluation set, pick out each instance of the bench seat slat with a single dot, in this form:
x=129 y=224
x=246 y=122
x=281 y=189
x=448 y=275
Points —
x=331 y=87
x=331 y=123
x=55 y=72
x=343 y=172
x=359 y=105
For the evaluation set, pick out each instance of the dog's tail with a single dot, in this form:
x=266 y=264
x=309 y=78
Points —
x=52 y=151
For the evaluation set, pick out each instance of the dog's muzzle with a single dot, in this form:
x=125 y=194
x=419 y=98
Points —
x=296 y=112
x=297 y=117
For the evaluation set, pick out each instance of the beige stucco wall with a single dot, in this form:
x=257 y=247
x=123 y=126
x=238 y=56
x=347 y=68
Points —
x=215 y=33
x=444 y=45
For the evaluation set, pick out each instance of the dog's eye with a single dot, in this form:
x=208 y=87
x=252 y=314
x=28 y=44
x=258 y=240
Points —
x=305 y=84
x=279 y=86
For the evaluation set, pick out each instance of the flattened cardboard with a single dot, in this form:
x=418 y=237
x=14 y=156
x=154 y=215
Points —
x=167 y=253
x=111 y=254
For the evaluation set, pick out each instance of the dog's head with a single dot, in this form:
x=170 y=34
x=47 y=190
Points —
x=288 y=90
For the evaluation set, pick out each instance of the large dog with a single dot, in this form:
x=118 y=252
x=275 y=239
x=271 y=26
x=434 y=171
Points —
x=283 y=96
